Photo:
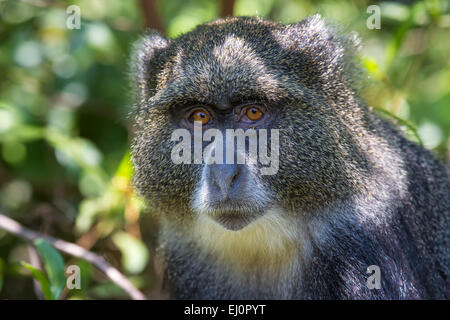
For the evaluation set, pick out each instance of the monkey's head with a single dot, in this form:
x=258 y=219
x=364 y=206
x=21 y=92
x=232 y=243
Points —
x=245 y=73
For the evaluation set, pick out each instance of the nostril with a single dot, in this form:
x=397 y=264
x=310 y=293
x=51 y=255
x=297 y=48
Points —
x=235 y=176
x=225 y=177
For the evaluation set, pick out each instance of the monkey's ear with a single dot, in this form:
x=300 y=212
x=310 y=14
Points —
x=332 y=49
x=325 y=35
x=147 y=60
x=313 y=24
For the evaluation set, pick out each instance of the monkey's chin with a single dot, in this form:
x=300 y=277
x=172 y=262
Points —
x=235 y=221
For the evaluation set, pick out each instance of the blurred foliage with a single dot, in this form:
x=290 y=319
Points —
x=64 y=129
x=53 y=284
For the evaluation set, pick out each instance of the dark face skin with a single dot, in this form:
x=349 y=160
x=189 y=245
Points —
x=227 y=76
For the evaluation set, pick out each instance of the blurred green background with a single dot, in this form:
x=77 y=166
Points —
x=65 y=131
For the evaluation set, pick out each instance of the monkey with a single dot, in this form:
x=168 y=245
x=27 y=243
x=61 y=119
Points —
x=350 y=191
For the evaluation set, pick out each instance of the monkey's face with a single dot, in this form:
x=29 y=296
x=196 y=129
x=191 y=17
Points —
x=209 y=160
x=259 y=81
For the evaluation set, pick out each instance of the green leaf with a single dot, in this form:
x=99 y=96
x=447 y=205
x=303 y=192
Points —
x=107 y=290
x=411 y=129
x=397 y=40
x=40 y=277
x=134 y=252
x=54 y=266
x=125 y=167
x=74 y=151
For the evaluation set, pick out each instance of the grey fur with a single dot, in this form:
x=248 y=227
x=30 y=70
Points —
x=357 y=191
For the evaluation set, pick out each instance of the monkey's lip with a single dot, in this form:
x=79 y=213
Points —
x=234 y=214
x=235 y=220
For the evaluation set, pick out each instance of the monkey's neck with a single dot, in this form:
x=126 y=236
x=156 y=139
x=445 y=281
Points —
x=264 y=256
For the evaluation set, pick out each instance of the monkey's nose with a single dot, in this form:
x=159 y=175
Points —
x=225 y=177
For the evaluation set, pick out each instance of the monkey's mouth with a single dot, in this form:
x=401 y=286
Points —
x=231 y=212
x=235 y=220
x=234 y=215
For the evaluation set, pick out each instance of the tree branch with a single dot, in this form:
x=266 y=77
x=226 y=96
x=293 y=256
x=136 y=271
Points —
x=226 y=8
x=112 y=273
x=152 y=18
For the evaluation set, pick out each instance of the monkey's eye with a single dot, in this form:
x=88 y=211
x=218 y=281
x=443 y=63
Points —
x=253 y=113
x=200 y=115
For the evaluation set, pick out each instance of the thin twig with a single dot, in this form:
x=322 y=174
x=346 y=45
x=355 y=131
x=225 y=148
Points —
x=17 y=229
x=35 y=262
